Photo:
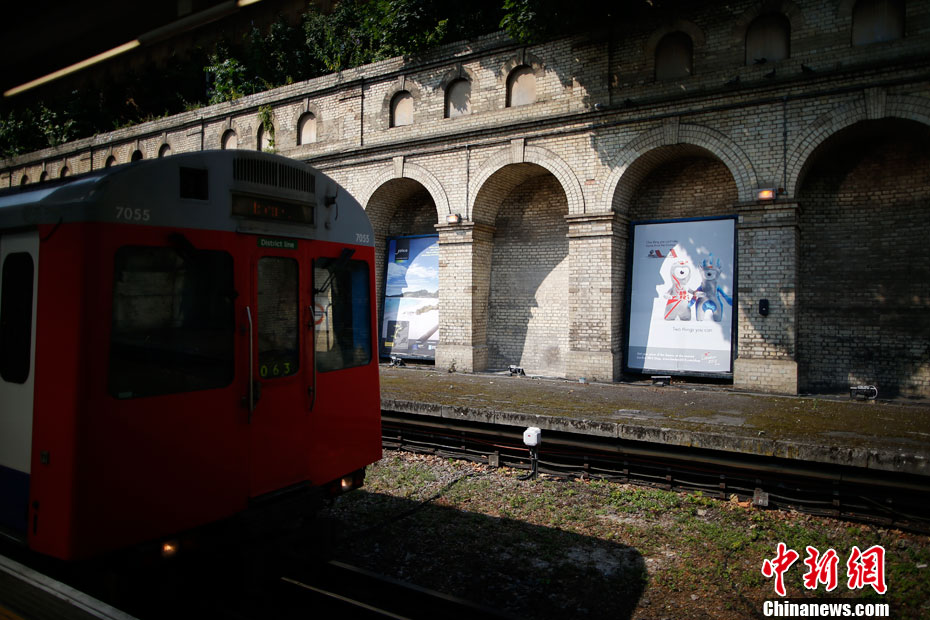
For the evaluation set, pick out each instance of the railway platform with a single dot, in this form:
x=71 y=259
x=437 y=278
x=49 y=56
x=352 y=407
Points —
x=26 y=594
x=880 y=435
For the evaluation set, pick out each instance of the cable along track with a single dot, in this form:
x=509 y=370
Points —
x=856 y=494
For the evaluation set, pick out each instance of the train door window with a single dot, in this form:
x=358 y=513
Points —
x=342 y=315
x=16 y=317
x=278 y=317
x=173 y=324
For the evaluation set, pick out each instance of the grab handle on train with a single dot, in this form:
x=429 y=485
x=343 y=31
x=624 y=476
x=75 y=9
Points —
x=248 y=314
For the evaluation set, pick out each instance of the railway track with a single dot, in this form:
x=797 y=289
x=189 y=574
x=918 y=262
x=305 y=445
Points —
x=855 y=494
x=336 y=587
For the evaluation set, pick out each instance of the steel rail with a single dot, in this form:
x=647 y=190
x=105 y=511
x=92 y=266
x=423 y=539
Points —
x=845 y=492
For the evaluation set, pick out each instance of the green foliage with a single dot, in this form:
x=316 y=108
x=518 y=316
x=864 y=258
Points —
x=14 y=133
x=264 y=115
x=227 y=78
x=533 y=21
x=34 y=128
x=353 y=33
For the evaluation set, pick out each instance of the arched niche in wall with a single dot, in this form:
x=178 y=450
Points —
x=229 y=140
x=306 y=128
x=674 y=57
x=521 y=86
x=768 y=39
x=401 y=109
x=874 y=21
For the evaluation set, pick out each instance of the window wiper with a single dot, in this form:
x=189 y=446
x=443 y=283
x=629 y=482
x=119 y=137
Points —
x=335 y=268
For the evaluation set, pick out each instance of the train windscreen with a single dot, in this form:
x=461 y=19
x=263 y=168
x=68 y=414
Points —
x=343 y=323
x=173 y=324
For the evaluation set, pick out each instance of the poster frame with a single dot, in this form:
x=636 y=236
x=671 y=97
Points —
x=382 y=297
x=628 y=300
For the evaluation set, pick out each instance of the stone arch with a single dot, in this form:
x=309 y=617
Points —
x=519 y=153
x=524 y=270
x=399 y=86
x=874 y=104
x=458 y=72
x=785 y=7
x=416 y=172
x=457 y=99
x=398 y=202
x=308 y=114
x=521 y=58
x=680 y=25
x=863 y=315
x=229 y=140
x=635 y=161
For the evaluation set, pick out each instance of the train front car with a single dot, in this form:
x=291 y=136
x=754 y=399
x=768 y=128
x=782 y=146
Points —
x=201 y=336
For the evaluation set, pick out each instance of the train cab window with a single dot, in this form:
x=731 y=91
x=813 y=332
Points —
x=173 y=324
x=341 y=309
x=278 y=314
x=16 y=317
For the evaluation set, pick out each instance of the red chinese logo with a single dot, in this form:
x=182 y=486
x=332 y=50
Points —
x=867 y=568
x=820 y=569
x=863 y=568
x=777 y=566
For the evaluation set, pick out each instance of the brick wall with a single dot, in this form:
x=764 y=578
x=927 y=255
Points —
x=528 y=322
x=687 y=186
x=619 y=144
x=865 y=261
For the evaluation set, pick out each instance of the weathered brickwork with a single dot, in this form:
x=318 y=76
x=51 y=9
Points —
x=864 y=309
x=549 y=187
x=528 y=322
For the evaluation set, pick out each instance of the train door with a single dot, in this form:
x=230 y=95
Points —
x=19 y=254
x=282 y=362
x=347 y=402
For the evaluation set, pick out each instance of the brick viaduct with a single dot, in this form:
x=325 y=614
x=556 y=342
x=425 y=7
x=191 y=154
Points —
x=548 y=152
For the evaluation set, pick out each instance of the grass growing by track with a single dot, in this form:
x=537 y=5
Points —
x=594 y=549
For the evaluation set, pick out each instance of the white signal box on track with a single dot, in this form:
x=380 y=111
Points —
x=531 y=436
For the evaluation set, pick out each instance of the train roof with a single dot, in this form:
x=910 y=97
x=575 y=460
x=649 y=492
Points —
x=236 y=190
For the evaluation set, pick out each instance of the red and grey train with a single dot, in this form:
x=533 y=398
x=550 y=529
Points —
x=180 y=338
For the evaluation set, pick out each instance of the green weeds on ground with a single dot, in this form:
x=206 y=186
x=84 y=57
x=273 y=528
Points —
x=552 y=548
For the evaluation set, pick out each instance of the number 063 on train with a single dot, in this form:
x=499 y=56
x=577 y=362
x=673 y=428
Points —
x=180 y=338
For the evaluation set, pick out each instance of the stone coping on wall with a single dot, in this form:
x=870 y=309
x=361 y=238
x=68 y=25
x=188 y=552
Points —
x=878 y=435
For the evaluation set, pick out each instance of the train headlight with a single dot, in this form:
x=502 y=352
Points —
x=346 y=483
x=169 y=549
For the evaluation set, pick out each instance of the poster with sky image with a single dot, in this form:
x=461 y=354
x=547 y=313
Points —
x=410 y=323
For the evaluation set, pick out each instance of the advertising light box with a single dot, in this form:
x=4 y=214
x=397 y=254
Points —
x=682 y=297
x=410 y=325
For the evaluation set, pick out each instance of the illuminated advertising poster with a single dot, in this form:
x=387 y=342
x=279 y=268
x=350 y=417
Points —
x=410 y=328
x=682 y=297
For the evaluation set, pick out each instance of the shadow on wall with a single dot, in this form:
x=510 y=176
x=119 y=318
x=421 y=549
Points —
x=399 y=207
x=528 y=316
x=864 y=301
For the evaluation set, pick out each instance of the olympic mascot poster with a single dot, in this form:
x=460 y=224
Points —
x=410 y=327
x=682 y=297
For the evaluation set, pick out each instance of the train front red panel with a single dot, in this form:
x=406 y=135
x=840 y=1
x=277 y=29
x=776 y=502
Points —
x=119 y=471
